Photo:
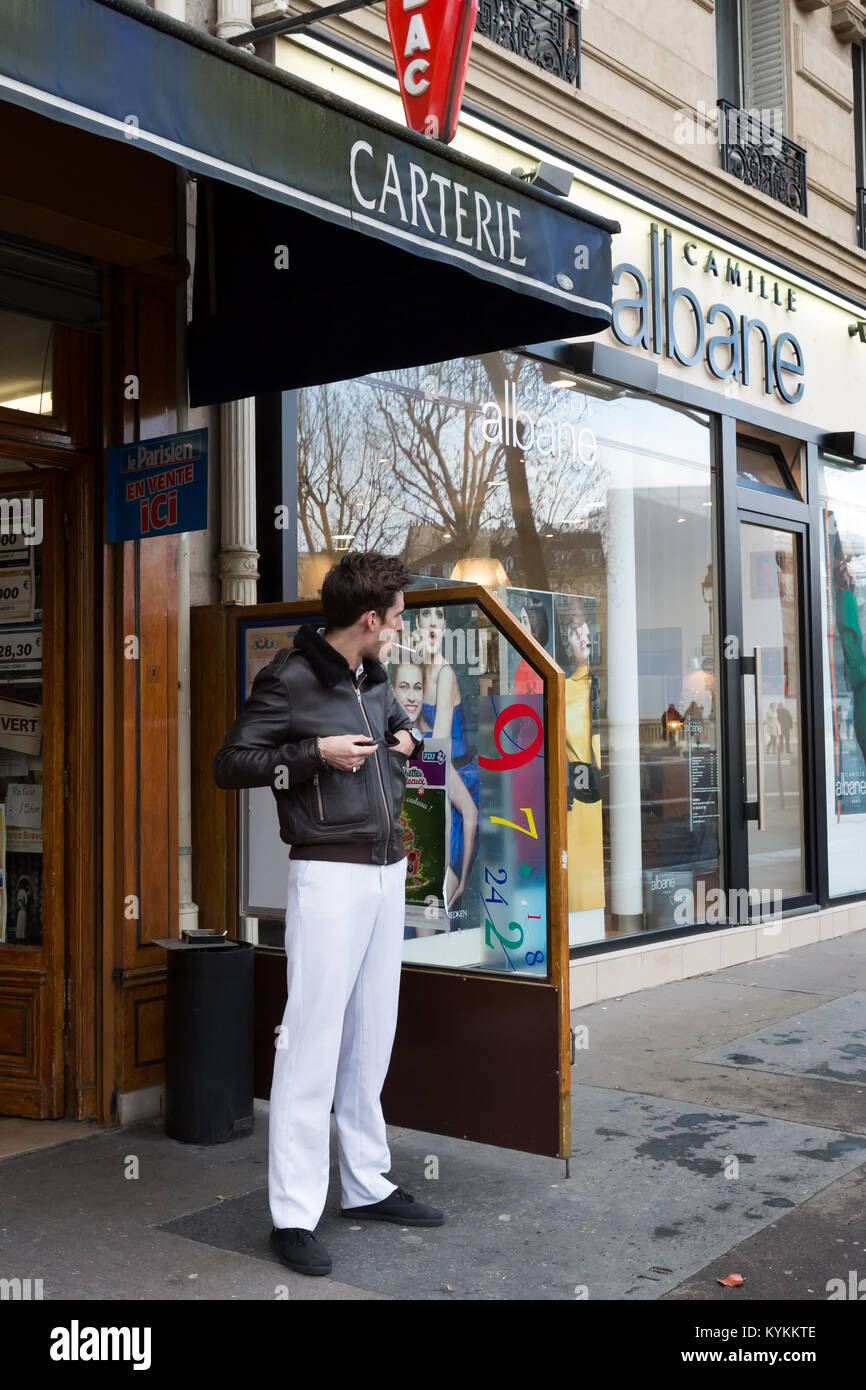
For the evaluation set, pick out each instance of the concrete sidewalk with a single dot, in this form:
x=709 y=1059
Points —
x=719 y=1126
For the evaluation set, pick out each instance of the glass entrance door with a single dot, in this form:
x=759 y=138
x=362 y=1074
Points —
x=771 y=572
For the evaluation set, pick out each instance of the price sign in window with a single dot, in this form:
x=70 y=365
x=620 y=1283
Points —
x=21 y=844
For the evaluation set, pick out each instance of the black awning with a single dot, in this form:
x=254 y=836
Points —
x=330 y=242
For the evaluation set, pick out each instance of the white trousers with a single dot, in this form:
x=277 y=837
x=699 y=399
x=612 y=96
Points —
x=344 y=944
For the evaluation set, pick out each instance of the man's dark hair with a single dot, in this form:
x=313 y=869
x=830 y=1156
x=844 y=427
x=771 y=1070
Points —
x=361 y=582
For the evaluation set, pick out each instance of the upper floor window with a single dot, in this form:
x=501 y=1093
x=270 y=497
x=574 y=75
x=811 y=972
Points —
x=750 y=49
x=750 y=56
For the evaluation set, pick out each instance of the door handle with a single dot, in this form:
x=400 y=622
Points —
x=759 y=738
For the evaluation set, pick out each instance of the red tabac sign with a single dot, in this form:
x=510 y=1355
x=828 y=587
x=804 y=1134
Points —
x=431 y=41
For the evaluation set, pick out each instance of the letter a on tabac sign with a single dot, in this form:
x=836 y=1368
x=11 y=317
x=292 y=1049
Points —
x=431 y=41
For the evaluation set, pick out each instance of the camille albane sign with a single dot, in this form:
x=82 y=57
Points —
x=669 y=319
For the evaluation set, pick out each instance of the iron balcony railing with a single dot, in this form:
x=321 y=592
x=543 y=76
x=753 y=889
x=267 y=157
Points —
x=861 y=218
x=547 y=32
x=762 y=157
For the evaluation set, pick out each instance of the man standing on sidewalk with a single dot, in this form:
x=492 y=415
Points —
x=322 y=728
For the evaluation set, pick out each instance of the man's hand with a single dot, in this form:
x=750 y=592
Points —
x=346 y=751
x=405 y=743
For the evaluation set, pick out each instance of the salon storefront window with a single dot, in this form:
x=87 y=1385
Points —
x=843 y=588
x=588 y=509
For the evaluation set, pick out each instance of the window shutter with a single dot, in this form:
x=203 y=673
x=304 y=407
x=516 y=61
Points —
x=764 y=60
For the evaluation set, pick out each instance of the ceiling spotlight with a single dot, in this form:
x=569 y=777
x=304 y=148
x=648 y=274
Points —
x=564 y=383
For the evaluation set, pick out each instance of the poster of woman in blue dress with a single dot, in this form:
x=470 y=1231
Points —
x=444 y=716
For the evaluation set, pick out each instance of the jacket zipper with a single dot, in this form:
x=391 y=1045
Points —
x=319 y=796
x=376 y=757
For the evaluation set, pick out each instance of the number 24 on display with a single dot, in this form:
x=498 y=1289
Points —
x=507 y=762
x=496 y=897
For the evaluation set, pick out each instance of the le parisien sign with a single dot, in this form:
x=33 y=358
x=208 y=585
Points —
x=431 y=41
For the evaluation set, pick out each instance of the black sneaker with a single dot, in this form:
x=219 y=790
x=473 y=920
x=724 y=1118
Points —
x=300 y=1250
x=399 y=1207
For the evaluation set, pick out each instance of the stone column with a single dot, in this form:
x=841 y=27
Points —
x=233 y=17
x=238 y=557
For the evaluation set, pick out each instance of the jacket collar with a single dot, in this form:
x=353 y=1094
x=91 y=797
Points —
x=328 y=664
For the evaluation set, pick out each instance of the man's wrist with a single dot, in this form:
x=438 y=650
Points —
x=417 y=740
x=320 y=755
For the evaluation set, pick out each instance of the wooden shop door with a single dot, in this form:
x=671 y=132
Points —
x=34 y=783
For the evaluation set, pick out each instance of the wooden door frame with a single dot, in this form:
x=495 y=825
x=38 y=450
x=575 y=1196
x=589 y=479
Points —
x=71 y=731
x=540 y=1008
x=36 y=975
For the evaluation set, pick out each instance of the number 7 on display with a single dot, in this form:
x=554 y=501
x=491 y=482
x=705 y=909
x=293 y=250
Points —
x=528 y=829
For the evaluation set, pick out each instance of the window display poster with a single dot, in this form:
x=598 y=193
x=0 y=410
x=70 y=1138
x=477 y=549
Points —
x=533 y=609
x=575 y=618
x=425 y=818
x=439 y=688
x=845 y=600
x=513 y=840
x=261 y=645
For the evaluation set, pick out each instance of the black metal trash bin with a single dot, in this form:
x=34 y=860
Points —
x=209 y=1042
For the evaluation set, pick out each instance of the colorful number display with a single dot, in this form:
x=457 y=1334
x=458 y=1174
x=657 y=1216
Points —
x=507 y=762
x=515 y=881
